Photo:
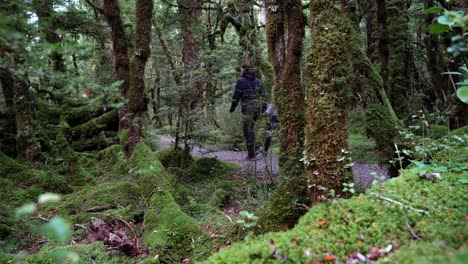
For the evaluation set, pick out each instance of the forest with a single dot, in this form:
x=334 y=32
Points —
x=233 y=131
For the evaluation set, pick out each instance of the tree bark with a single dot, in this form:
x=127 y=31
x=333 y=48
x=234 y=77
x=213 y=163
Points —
x=137 y=102
x=325 y=148
x=280 y=211
x=111 y=11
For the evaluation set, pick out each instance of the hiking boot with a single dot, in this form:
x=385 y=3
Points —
x=250 y=158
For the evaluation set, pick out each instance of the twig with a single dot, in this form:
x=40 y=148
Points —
x=136 y=240
x=302 y=206
x=100 y=208
x=400 y=204
x=42 y=218
x=227 y=216
x=80 y=226
x=410 y=229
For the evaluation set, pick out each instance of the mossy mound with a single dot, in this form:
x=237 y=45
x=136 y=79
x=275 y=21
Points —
x=204 y=168
x=174 y=157
x=205 y=186
x=281 y=211
x=360 y=223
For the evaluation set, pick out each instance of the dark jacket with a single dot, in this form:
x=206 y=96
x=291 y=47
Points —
x=249 y=91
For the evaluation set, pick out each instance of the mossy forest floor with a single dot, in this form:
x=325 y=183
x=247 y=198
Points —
x=192 y=213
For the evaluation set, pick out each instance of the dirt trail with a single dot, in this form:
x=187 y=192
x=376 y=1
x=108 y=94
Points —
x=267 y=167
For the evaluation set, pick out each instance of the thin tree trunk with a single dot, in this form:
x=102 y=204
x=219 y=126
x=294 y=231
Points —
x=137 y=103
x=119 y=44
x=275 y=37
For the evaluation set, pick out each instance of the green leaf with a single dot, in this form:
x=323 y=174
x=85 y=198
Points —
x=437 y=28
x=25 y=209
x=463 y=181
x=58 y=229
x=462 y=94
x=433 y=10
x=446 y=20
x=440 y=169
x=48 y=197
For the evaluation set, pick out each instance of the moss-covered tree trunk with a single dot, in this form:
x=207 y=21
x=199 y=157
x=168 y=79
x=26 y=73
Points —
x=275 y=30
x=137 y=103
x=27 y=146
x=281 y=210
x=111 y=10
x=190 y=23
x=327 y=101
x=388 y=47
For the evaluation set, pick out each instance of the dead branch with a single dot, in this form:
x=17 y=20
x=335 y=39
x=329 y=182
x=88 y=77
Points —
x=410 y=229
x=302 y=206
x=100 y=208
x=227 y=216
x=399 y=203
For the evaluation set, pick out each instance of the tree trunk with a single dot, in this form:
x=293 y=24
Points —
x=325 y=153
x=27 y=146
x=48 y=25
x=275 y=30
x=280 y=211
x=137 y=103
x=119 y=44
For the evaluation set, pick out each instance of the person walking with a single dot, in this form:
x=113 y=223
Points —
x=273 y=121
x=250 y=92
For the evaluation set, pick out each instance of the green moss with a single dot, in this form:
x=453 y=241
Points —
x=362 y=148
x=89 y=254
x=338 y=227
x=148 y=171
x=204 y=168
x=123 y=136
x=171 y=233
x=53 y=182
x=381 y=128
x=281 y=211
x=174 y=157
x=91 y=128
x=438 y=131
x=112 y=159
x=218 y=198
x=121 y=195
x=9 y=165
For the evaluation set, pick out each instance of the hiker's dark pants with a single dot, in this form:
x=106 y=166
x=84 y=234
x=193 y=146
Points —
x=248 y=124
x=274 y=121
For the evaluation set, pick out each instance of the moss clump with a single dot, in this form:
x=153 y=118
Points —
x=281 y=211
x=112 y=160
x=208 y=167
x=438 y=131
x=9 y=165
x=338 y=227
x=218 y=198
x=174 y=157
x=171 y=233
x=121 y=195
x=148 y=171
x=53 y=182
